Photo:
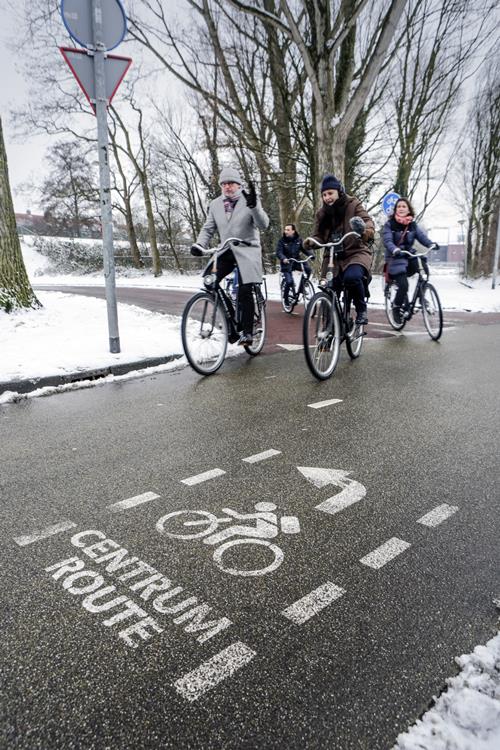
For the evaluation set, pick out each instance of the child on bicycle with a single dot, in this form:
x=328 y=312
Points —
x=399 y=233
x=339 y=214
x=288 y=249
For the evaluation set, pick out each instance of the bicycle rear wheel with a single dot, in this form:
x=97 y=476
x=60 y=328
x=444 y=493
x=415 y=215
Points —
x=307 y=293
x=286 y=304
x=390 y=294
x=204 y=333
x=432 y=312
x=259 y=324
x=321 y=333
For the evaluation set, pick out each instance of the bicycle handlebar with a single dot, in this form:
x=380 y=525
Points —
x=222 y=246
x=329 y=245
x=414 y=255
x=294 y=260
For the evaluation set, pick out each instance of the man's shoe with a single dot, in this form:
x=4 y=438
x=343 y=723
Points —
x=245 y=339
x=361 y=319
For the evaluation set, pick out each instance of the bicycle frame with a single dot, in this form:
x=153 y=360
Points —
x=422 y=278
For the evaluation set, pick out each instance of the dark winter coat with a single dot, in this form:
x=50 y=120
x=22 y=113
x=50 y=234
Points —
x=395 y=238
x=289 y=248
x=356 y=249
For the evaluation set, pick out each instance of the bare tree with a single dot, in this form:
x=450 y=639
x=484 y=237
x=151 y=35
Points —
x=15 y=287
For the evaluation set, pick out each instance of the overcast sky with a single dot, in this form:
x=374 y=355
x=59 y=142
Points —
x=26 y=158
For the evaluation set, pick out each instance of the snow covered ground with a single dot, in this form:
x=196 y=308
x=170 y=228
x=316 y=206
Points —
x=70 y=334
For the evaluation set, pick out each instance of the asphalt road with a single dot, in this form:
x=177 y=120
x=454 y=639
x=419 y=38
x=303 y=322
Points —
x=326 y=650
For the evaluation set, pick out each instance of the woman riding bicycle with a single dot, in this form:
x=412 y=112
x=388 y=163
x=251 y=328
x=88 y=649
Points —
x=333 y=220
x=288 y=249
x=399 y=233
x=232 y=215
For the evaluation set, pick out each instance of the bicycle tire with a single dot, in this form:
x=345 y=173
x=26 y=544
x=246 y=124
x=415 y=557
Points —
x=431 y=311
x=389 y=294
x=307 y=293
x=321 y=335
x=277 y=551
x=286 y=305
x=211 y=519
x=259 y=324
x=204 y=333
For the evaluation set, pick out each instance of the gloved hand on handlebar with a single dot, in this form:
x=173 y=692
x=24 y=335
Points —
x=307 y=244
x=251 y=196
x=397 y=253
x=196 y=250
x=357 y=225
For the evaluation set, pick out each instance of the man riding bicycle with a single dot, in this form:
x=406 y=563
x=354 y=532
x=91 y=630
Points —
x=237 y=213
x=288 y=249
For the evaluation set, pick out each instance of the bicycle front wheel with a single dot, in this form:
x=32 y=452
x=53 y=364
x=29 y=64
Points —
x=432 y=312
x=354 y=339
x=259 y=324
x=321 y=333
x=390 y=294
x=286 y=302
x=204 y=333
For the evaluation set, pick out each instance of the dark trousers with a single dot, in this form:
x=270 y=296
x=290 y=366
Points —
x=353 y=278
x=287 y=271
x=401 y=281
x=226 y=263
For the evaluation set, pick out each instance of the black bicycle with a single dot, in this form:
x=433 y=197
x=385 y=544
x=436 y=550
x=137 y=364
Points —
x=305 y=289
x=211 y=319
x=425 y=298
x=328 y=321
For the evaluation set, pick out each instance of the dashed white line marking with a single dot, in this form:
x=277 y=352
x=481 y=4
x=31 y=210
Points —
x=291 y=347
x=38 y=534
x=205 y=677
x=437 y=515
x=261 y=456
x=310 y=604
x=205 y=476
x=321 y=404
x=131 y=502
x=386 y=552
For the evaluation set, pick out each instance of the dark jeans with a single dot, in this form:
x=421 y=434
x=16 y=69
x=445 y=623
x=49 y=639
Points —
x=226 y=263
x=287 y=270
x=401 y=281
x=354 y=278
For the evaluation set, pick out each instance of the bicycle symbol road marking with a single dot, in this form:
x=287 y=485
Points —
x=267 y=526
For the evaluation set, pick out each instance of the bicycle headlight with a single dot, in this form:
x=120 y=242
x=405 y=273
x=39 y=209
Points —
x=329 y=276
x=209 y=279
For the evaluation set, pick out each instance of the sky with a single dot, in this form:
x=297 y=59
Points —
x=26 y=157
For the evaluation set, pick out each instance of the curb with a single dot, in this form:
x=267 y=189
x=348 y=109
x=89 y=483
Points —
x=32 y=384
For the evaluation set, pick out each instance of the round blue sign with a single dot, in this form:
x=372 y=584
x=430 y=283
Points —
x=389 y=202
x=77 y=17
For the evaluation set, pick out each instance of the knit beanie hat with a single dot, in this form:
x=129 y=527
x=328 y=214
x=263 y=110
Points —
x=229 y=174
x=330 y=182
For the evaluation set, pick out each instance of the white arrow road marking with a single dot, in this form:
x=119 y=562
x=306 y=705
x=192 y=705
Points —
x=321 y=404
x=437 y=515
x=198 y=478
x=302 y=610
x=386 y=552
x=291 y=347
x=216 y=669
x=131 y=502
x=38 y=534
x=261 y=456
x=351 y=490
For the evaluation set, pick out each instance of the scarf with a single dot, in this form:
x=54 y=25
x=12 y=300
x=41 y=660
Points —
x=332 y=217
x=404 y=220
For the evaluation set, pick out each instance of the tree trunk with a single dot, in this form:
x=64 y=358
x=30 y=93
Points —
x=157 y=270
x=15 y=287
x=132 y=235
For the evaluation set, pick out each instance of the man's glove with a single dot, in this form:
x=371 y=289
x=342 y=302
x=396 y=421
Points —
x=251 y=196
x=435 y=246
x=397 y=253
x=196 y=250
x=357 y=225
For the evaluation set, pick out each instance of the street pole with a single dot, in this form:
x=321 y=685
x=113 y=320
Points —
x=497 y=254
x=101 y=107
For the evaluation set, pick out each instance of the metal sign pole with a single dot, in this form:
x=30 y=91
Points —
x=497 y=254
x=104 y=178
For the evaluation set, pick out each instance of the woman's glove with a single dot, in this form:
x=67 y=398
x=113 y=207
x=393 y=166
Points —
x=251 y=196
x=357 y=225
x=196 y=250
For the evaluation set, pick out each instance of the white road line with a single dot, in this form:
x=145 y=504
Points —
x=386 y=552
x=321 y=404
x=205 y=677
x=131 y=502
x=198 y=478
x=261 y=456
x=291 y=347
x=310 y=604
x=384 y=325
x=437 y=515
x=35 y=536
x=351 y=494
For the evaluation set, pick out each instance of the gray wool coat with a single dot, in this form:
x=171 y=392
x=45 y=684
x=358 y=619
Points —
x=244 y=224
